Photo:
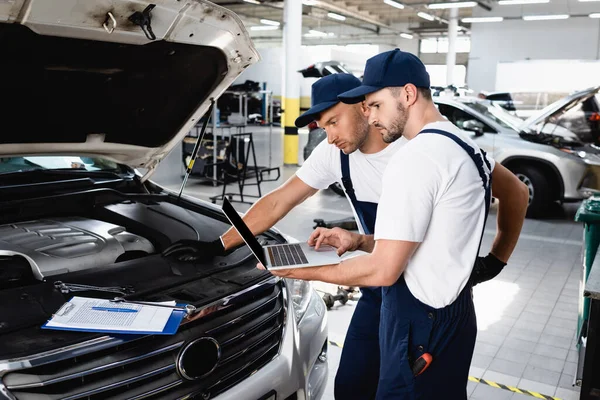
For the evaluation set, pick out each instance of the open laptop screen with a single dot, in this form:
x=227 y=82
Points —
x=239 y=224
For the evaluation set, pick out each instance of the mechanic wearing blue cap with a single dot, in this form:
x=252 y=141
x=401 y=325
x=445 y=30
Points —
x=436 y=194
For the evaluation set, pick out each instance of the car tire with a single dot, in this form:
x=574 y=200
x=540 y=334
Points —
x=337 y=188
x=540 y=190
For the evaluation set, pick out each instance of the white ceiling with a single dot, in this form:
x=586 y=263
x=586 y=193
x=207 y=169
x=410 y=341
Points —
x=377 y=22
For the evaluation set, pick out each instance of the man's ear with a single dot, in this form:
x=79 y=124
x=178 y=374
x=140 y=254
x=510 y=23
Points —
x=364 y=108
x=410 y=94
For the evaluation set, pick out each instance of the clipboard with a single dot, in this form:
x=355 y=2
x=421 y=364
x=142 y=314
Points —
x=170 y=328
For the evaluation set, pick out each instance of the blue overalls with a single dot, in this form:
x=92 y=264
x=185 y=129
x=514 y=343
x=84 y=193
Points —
x=410 y=328
x=358 y=372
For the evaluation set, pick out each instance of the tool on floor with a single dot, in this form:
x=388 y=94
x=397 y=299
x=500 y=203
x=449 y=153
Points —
x=341 y=296
x=348 y=224
x=421 y=364
x=188 y=308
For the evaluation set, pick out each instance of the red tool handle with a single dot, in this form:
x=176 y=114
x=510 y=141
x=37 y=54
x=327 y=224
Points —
x=421 y=364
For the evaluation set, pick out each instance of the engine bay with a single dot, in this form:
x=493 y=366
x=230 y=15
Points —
x=104 y=238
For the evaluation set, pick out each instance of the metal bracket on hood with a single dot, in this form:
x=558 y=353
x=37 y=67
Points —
x=110 y=19
x=144 y=20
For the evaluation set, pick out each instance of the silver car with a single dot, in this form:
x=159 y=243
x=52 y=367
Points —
x=97 y=93
x=549 y=159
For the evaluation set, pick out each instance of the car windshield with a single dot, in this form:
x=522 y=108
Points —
x=25 y=163
x=497 y=114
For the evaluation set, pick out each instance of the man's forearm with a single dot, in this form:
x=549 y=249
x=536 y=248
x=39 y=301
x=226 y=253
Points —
x=357 y=271
x=511 y=213
x=366 y=243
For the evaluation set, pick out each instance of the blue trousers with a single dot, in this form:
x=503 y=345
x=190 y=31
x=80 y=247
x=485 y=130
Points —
x=410 y=328
x=358 y=373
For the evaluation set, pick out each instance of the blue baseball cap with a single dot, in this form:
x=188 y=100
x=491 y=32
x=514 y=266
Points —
x=392 y=68
x=325 y=93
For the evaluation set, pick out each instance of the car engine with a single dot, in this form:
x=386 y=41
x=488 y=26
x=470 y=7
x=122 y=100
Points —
x=61 y=245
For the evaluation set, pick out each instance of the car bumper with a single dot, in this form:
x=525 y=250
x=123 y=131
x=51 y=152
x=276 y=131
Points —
x=300 y=370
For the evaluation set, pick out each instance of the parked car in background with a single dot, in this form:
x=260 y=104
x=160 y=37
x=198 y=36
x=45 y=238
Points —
x=321 y=69
x=92 y=112
x=578 y=113
x=552 y=162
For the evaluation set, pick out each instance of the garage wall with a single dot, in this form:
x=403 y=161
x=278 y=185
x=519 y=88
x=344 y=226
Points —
x=517 y=40
x=270 y=68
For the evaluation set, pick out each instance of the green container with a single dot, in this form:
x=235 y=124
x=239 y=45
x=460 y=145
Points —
x=589 y=214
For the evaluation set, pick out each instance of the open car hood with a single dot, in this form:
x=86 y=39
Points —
x=558 y=107
x=80 y=77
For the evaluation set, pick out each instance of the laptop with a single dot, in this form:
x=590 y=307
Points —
x=281 y=256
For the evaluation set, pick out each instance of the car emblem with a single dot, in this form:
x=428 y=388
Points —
x=199 y=358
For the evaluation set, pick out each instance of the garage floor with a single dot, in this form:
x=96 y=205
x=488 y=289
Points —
x=527 y=316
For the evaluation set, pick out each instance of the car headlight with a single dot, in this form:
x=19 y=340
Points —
x=301 y=292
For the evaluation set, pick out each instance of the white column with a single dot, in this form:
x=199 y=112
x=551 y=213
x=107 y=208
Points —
x=451 y=56
x=292 y=40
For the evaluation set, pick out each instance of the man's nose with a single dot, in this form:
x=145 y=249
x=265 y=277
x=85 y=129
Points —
x=372 y=117
x=331 y=136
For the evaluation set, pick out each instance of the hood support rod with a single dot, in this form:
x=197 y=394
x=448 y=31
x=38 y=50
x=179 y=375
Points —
x=190 y=165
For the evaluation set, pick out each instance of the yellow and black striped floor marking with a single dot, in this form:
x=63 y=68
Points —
x=486 y=382
x=513 y=389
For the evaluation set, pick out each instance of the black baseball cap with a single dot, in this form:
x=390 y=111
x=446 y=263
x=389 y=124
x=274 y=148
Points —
x=392 y=68
x=324 y=95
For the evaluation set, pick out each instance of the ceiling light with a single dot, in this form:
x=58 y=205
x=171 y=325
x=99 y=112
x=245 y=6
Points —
x=426 y=16
x=587 y=1
x=269 y=22
x=264 y=28
x=406 y=35
x=595 y=15
x=517 y=2
x=474 y=20
x=252 y=1
x=336 y=16
x=309 y=2
x=313 y=33
x=394 y=4
x=458 y=4
x=545 y=17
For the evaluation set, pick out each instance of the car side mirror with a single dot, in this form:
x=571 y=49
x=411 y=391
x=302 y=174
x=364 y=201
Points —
x=474 y=126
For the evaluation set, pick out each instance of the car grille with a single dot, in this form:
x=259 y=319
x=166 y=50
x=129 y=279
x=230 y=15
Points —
x=248 y=330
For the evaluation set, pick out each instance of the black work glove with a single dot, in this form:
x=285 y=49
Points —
x=486 y=268
x=192 y=250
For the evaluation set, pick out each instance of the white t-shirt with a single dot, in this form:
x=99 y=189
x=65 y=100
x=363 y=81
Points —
x=324 y=167
x=433 y=194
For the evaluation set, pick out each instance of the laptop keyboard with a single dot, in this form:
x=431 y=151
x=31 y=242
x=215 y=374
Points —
x=289 y=254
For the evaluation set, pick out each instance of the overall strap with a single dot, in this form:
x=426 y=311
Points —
x=479 y=160
x=347 y=182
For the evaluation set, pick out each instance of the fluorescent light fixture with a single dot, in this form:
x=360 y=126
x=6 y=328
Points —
x=394 y=4
x=458 y=4
x=595 y=15
x=475 y=20
x=264 y=28
x=269 y=22
x=336 y=16
x=426 y=16
x=587 y=1
x=518 y=2
x=313 y=33
x=252 y=1
x=309 y=2
x=406 y=35
x=545 y=17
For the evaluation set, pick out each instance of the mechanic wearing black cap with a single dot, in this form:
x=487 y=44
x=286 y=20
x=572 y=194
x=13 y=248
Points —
x=435 y=199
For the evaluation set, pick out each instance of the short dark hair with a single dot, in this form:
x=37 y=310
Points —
x=424 y=92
